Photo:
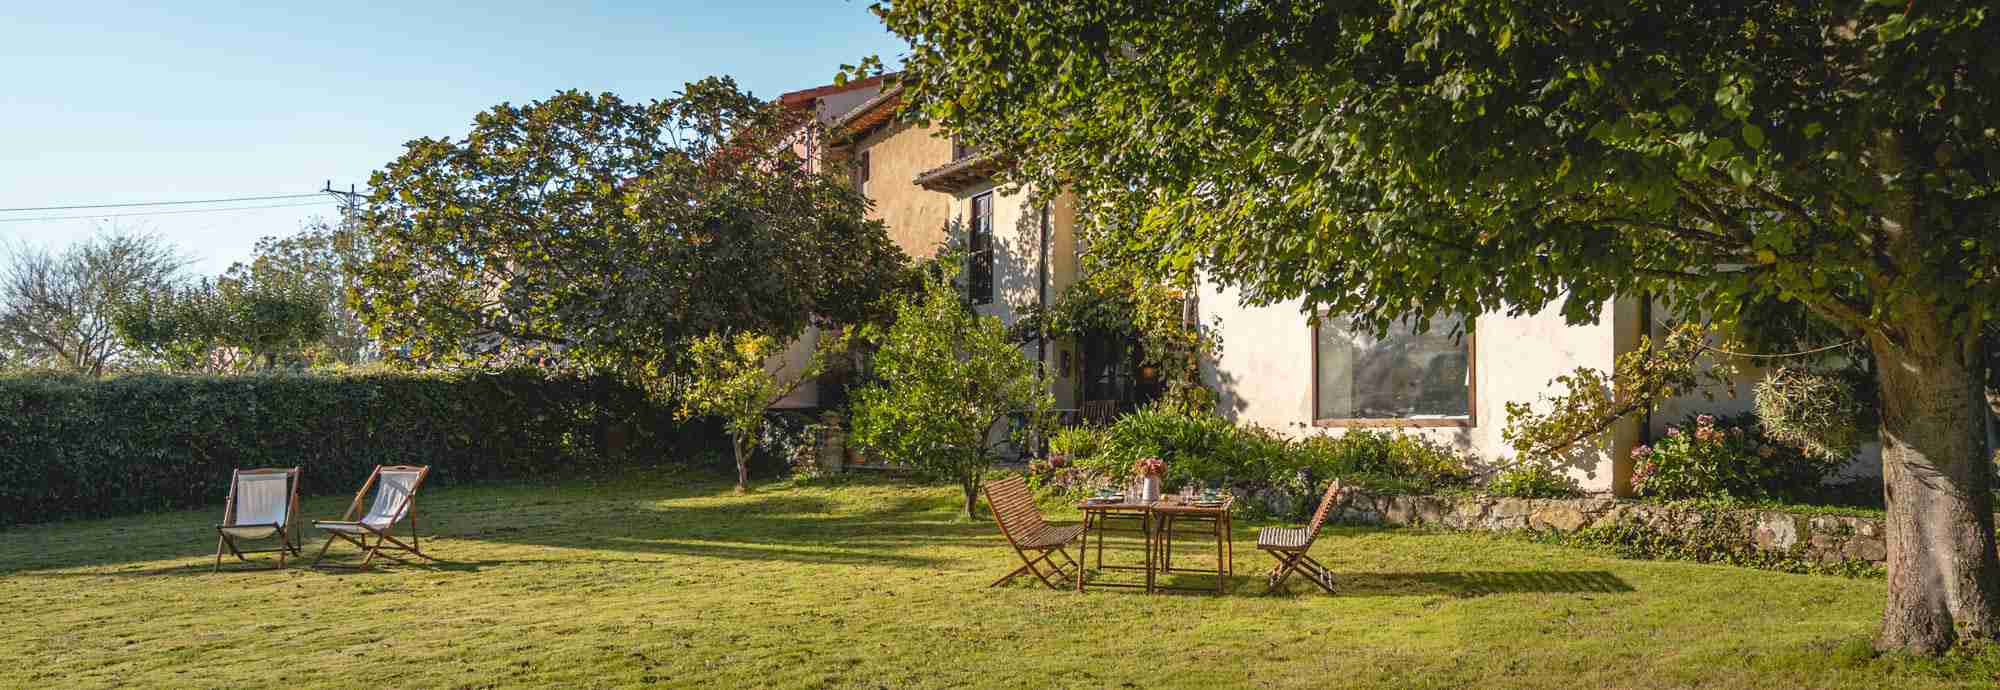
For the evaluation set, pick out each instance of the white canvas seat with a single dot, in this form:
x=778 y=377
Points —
x=260 y=506
x=395 y=501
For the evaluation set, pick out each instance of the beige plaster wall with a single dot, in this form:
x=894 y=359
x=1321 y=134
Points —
x=1265 y=375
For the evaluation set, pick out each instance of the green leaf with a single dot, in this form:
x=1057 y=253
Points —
x=1680 y=114
x=1753 y=136
x=1718 y=148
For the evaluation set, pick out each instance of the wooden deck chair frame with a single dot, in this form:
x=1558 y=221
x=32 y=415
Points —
x=1013 y=508
x=286 y=546
x=384 y=541
x=1292 y=554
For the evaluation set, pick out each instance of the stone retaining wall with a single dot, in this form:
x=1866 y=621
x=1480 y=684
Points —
x=1817 y=538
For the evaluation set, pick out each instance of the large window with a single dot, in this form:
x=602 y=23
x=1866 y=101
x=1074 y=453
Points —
x=979 y=250
x=1400 y=379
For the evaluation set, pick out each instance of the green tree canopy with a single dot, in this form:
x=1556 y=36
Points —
x=947 y=378
x=225 y=324
x=1397 y=159
x=610 y=233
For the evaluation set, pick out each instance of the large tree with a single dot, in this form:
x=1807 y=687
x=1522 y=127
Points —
x=609 y=234
x=1398 y=159
x=56 y=307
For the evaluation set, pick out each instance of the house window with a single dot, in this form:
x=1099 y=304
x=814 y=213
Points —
x=979 y=250
x=1399 y=379
x=860 y=173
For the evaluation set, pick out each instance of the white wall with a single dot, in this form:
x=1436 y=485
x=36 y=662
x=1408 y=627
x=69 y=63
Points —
x=1265 y=377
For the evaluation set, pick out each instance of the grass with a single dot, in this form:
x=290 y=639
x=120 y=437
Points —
x=656 y=581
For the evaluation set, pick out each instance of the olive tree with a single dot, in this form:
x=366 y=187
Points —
x=1405 y=159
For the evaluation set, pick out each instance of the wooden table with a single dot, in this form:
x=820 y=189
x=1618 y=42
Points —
x=1098 y=517
x=1156 y=522
x=1169 y=512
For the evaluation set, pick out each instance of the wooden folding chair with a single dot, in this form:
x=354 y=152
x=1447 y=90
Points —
x=261 y=504
x=1021 y=523
x=1290 y=544
x=395 y=498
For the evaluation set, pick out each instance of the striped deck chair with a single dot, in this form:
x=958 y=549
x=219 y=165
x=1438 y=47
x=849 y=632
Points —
x=261 y=504
x=1021 y=523
x=1290 y=544
x=395 y=499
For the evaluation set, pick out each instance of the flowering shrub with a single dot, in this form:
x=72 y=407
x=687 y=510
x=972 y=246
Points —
x=1726 y=457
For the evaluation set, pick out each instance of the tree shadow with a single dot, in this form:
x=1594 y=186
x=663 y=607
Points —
x=697 y=519
x=1478 y=583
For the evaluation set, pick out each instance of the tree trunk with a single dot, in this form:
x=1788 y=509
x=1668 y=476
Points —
x=1944 y=578
x=971 y=487
x=742 y=466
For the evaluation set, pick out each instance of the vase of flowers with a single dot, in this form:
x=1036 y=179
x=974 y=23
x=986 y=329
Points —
x=1148 y=471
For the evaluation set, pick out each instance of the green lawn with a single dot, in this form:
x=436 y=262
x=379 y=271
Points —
x=654 y=581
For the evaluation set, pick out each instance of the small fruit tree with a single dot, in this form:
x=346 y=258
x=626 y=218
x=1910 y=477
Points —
x=733 y=377
x=947 y=378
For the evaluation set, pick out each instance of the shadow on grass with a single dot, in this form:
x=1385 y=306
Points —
x=1478 y=583
x=697 y=519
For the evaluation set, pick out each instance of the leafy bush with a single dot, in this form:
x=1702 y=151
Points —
x=1380 y=461
x=1726 y=458
x=79 y=447
x=1534 y=480
x=1200 y=448
x=1210 y=450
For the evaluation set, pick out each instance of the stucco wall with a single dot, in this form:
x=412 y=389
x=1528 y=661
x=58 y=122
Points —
x=916 y=216
x=1016 y=238
x=1265 y=377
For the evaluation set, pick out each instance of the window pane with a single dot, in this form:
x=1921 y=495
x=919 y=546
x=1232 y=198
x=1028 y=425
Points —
x=980 y=246
x=1399 y=376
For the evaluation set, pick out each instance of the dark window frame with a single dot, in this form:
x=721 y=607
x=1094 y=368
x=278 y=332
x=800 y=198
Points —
x=1469 y=420
x=979 y=283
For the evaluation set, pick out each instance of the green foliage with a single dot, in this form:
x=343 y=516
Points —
x=1533 y=480
x=946 y=378
x=735 y=379
x=1726 y=458
x=1198 y=448
x=76 y=447
x=1078 y=442
x=1718 y=537
x=1387 y=462
x=317 y=263
x=1823 y=413
x=1128 y=301
x=1474 y=157
x=607 y=235
x=1208 y=450
x=229 y=324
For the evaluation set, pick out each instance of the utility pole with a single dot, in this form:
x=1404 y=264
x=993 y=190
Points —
x=350 y=204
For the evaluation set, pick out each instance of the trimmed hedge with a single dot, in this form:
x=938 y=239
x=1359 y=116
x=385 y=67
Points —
x=75 y=447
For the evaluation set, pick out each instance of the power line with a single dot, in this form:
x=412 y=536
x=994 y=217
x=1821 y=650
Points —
x=162 y=203
x=169 y=213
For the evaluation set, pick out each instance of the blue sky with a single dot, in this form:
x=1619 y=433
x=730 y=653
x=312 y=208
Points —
x=133 y=102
